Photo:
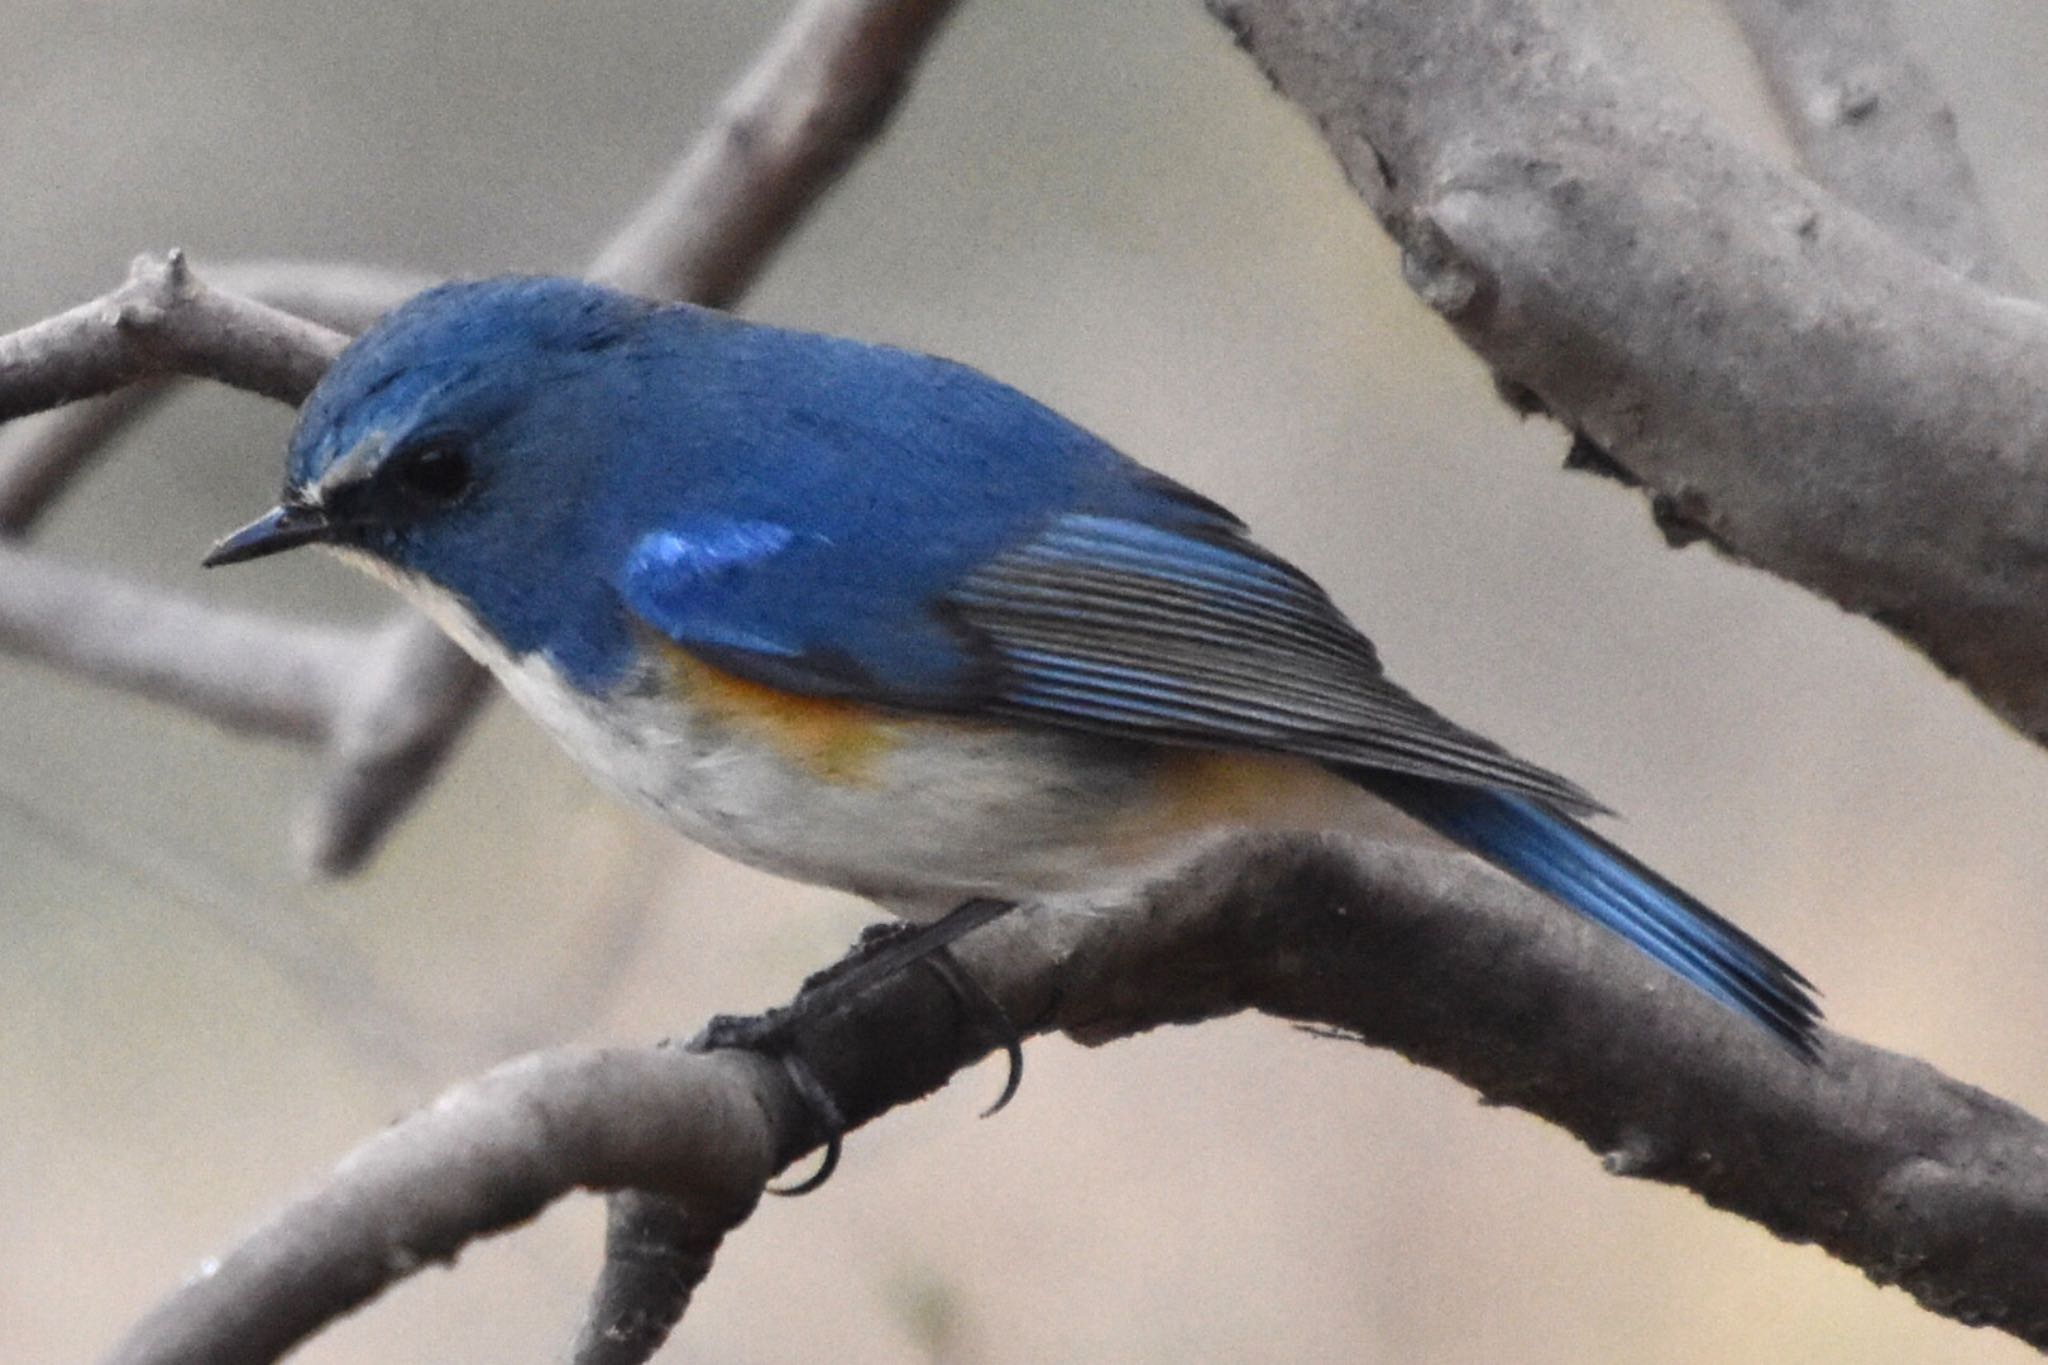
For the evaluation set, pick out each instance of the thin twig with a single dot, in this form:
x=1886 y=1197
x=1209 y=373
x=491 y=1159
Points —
x=256 y=675
x=41 y=454
x=821 y=91
x=161 y=321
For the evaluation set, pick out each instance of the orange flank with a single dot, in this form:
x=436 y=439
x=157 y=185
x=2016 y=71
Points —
x=838 y=740
x=1197 y=790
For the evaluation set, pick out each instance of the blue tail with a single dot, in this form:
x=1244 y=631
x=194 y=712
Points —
x=1562 y=858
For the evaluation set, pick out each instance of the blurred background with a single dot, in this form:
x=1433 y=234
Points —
x=1104 y=205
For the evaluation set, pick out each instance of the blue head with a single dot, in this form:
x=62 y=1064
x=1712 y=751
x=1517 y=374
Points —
x=462 y=389
x=468 y=439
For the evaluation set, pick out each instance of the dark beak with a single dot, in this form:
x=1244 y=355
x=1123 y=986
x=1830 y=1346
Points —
x=283 y=527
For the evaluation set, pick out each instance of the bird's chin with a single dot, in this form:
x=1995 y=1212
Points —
x=383 y=570
x=440 y=606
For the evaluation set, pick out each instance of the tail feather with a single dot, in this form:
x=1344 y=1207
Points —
x=1556 y=855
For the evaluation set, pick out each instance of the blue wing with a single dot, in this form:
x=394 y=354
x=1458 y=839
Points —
x=1184 y=635
x=1120 y=625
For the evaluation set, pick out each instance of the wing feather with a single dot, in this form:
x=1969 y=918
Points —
x=1130 y=629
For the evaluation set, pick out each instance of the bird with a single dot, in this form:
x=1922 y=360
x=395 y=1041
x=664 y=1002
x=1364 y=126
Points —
x=872 y=619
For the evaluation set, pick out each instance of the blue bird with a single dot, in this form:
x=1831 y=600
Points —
x=871 y=619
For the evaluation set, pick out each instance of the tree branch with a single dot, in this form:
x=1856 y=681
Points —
x=1785 y=378
x=251 y=674
x=162 y=320
x=657 y=1250
x=387 y=705
x=1873 y=128
x=820 y=93
x=1913 y=1177
x=693 y=1126
x=41 y=454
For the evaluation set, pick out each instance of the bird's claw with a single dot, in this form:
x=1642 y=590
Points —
x=825 y=1113
x=881 y=952
x=986 y=1012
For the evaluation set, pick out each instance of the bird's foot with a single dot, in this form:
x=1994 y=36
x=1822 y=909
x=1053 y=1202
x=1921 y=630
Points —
x=881 y=951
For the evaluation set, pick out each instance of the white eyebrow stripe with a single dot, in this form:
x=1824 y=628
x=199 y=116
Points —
x=353 y=467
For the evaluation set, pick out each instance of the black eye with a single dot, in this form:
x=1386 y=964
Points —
x=437 y=472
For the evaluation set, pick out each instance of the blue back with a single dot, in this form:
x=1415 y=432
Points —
x=601 y=420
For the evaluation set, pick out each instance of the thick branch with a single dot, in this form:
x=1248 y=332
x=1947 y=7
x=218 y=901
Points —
x=1873 y=128
x=1917 y=1179
x=820 y=92
x=1785 y=378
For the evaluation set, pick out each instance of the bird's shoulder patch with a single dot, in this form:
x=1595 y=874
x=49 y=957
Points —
x=837 y=739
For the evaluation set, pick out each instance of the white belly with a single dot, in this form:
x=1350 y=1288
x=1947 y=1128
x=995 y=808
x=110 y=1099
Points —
x=941 y=811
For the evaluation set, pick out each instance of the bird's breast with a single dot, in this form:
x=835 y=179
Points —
x=917 y=811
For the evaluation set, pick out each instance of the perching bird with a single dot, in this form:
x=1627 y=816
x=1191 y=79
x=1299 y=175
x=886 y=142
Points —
x=872 y=619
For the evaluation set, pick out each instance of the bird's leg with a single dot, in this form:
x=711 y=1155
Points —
x=883 y=951
x=886 y=949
